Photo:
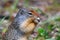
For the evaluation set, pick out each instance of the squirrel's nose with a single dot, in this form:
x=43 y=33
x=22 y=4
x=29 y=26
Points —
x=37 y=20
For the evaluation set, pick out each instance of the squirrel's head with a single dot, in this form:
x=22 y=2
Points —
x=26 y=20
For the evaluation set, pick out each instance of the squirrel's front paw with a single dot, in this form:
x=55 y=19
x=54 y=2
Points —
x=29 y=28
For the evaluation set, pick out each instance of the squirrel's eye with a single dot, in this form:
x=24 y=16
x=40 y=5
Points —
x=30 y=13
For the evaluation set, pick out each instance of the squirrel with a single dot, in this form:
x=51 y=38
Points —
x=22 y=25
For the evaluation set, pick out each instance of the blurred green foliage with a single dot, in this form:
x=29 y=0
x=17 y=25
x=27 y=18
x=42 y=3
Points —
x=1 y=21
x=42 y=33
x=58 y=37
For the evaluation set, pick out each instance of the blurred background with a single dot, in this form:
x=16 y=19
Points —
x=48 y=28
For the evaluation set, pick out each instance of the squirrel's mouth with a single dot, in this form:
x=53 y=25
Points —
x=28 y=25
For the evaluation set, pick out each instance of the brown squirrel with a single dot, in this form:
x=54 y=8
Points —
x=22 y=25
